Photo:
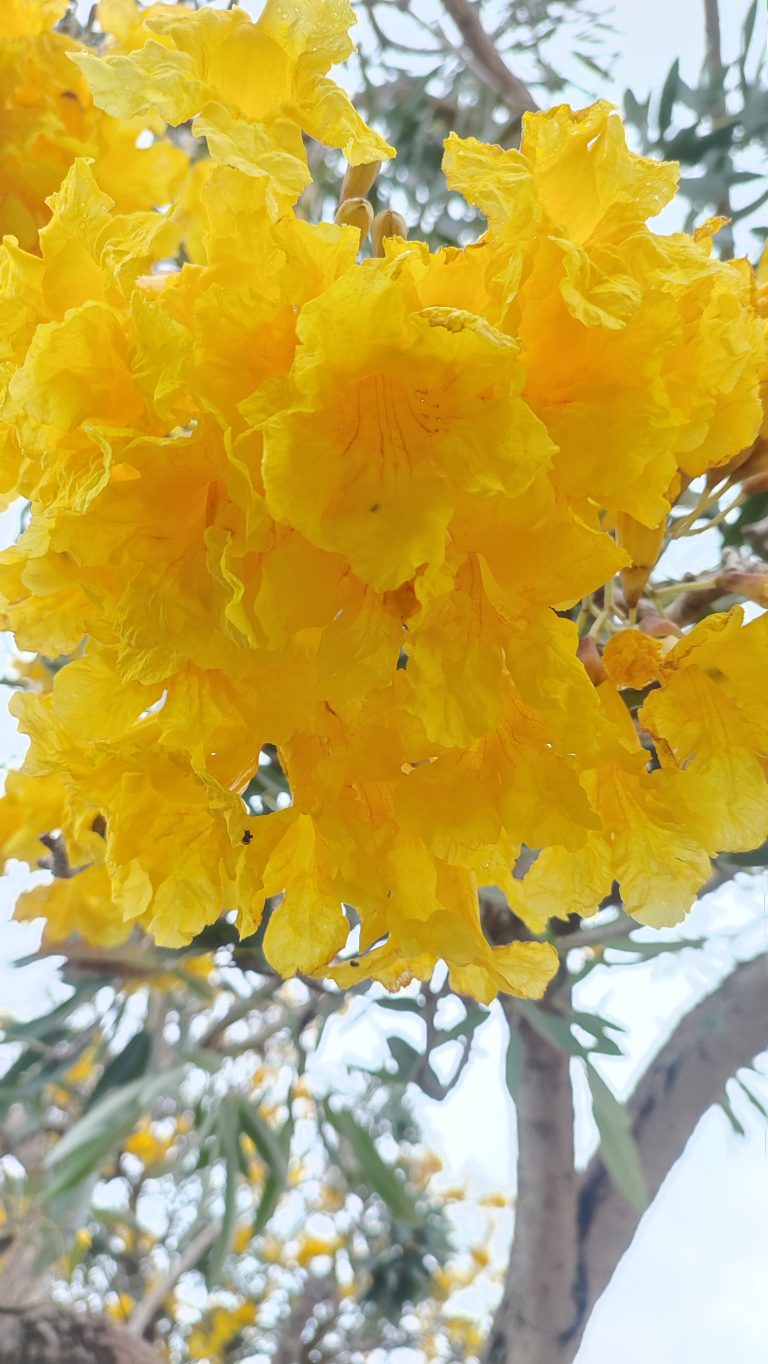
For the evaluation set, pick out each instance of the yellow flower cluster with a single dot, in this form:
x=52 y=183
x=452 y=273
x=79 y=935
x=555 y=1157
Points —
x=48 y=118
x=282 y=495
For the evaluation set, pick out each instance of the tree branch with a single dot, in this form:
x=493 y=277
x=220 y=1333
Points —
x=538 y=1310
x=724 y=1032
x=713 y=66
x=515 y=94
x=146 y=1311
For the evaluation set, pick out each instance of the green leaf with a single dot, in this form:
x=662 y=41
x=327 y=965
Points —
x=265 y=1138
x=668 y=96
x=599 y=1028
x=725 y=1104
x=746 y=33
x=45 y=1023
x=617 y=1143
x=275 y=1180
x=513 y=1063
x=554 y=1028
x=83 y=1148
x=128 y=1065
x=411 y=1006
x=380 y=1176
x=636 y=112
x=228 y=1130
x=639 y=947
x=405 y=1057
x=475 y=1017
x=753 y=1099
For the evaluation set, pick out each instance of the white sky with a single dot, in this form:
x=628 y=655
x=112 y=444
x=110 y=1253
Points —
x=694 y=1282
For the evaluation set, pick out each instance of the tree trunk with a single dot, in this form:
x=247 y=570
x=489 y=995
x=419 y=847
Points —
x=47 y=1334
x=538 y=1314
x=571 y=1230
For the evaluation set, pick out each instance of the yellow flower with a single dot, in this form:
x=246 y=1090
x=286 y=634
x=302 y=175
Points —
x=147 y=1145
x=311 y=1247
x=251 y=87
x=119 y=1305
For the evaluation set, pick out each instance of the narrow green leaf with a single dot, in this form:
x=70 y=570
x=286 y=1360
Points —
x=668 y=96
x=476 y=1015
x=753 y=1099
x=747 y=31
x=616 y=1140
x=128 y=1065
x=405 y=1057
x=265 y=1138
x=647 y=949
x=554 y=1028
x=599 y=1029
x=727 y=1108
x=636 y=112
x=275 y=1180
x=83 y=1148
x=411 y=1006
x=513 y=1063
x=83 y=1162
x=228 y=1129
x=381 y=1177
x=45 y=1023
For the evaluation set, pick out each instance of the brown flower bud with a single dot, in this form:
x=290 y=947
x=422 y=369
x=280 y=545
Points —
x=753 y=586
x=756 y=483
x=356 y=213
x=589 y=654
x=658 y=626
x=386 y=224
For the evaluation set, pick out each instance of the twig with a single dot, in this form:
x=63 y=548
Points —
x=512 y=90
x=146 y=1311
x=713 y=66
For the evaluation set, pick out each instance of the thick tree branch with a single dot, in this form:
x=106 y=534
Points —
x=52 y=1334
x=538 y=1310
x=725 y=1031
x=515 y=94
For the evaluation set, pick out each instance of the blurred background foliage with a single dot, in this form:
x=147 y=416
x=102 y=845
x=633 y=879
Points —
x=184 y=1148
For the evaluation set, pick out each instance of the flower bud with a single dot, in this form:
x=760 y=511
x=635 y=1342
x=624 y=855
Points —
x=753 y=586
x=358 y=180
x=756 y=483
x=589 y=654
x=386 y=224
x=644 y=545
x=355 y=213
x=659 y=627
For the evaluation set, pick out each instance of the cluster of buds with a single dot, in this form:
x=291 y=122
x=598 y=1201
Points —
x=356 y=210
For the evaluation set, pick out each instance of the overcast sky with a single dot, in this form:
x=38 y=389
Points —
x=694 y=1281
